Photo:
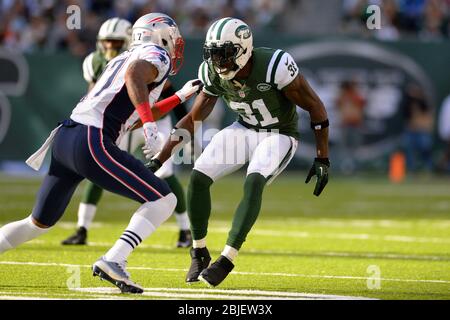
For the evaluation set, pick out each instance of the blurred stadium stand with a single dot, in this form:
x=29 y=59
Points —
x=40 y=63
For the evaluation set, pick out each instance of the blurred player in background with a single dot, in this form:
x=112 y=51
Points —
x=85 y=146
x=113 y=38
x=263 y=86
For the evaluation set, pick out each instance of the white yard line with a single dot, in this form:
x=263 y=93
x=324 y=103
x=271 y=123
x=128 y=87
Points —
x=307 y=234
x=180 y=293
x=54 y=296
x=270 y=274
x=319 y=253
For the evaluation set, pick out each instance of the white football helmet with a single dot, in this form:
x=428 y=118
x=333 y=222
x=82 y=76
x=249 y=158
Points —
x=114 y=29
x=228 y=46
x=162 y=30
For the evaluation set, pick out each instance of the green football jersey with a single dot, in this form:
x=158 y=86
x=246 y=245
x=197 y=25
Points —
x=258 y=100
x=93 y=66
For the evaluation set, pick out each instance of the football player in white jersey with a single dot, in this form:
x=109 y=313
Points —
x=85 y=146
x=113 y=38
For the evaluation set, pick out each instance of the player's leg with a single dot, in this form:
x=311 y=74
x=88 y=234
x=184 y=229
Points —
x=89 y=201
x=270 y=157
x=53 y=197
x=226 y=153
x=119 y=172
x=86 y=213
x=181 y=216
x=166 y=172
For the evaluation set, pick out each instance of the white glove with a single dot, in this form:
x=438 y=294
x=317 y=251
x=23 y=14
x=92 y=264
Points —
x=153 y=142
x=189 y=88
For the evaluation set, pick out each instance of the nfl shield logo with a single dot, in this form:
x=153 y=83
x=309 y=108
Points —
x=241 y=93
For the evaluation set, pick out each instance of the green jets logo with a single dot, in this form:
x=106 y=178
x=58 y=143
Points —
x=243 y=32
x=263 y=87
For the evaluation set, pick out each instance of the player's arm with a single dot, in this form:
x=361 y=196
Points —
x=301 y=93
x=139 y=74
x=178 y=98
x=181 y=110
x=203 y=105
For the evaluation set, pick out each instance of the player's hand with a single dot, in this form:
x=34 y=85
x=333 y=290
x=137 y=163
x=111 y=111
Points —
x=154 y=165
x=153 y=143
x=188 y=90
x=319 y=169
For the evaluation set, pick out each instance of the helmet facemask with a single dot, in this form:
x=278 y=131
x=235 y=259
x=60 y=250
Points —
x=113 y=37
x=177 y=55
x=223 y=58
x=228 y=47
x=113 y=49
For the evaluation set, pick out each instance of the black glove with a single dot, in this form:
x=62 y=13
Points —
x=320 y=169
x=154 y=164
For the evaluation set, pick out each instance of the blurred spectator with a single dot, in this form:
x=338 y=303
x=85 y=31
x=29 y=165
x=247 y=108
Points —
x=417 y=140
x=427 y=19
x=350 y=104
x=410 y=14
x=31 y=25
x=389 y=21
x=434 y=18
x=444 y=134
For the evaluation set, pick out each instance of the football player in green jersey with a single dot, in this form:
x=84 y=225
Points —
x=263 y=86
x=112 y=39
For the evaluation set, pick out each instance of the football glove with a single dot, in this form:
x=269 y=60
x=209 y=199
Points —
x=154 y=165
x=319 y=169
x=189 y=88
x=153 y=143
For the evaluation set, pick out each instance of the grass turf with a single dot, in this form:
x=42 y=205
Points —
x=300 y=244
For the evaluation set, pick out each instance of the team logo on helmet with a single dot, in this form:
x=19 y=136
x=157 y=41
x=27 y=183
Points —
x=243 y=32
x=163 y=19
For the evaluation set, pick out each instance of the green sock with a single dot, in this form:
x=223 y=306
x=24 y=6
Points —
x=247 y=211
x=92 y=194
x=177 y=189
x=199 y=203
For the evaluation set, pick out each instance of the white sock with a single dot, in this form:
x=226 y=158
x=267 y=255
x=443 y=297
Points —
x=230 y=253
x=143 y=223
x=199 y=243
x=182 y=220
x=15 y=233
x=86 y=214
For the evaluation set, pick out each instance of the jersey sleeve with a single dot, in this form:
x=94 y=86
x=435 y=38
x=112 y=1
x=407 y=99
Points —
x=159 y=58
x=88 y=68
x=203 y=75
x=284 y=69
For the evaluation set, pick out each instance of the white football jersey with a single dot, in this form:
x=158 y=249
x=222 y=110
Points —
x=107 y=106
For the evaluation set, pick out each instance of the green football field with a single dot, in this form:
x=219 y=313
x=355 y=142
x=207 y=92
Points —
x=362 y=238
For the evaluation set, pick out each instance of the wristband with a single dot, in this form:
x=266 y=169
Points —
x=168 y=104
x=144 y=111
x=324 y=161
x=320 y=125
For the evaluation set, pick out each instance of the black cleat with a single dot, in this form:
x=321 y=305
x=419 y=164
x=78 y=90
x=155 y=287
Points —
x=184 y=239
x=200 y=260
x=79 y=237
x=217 y=272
